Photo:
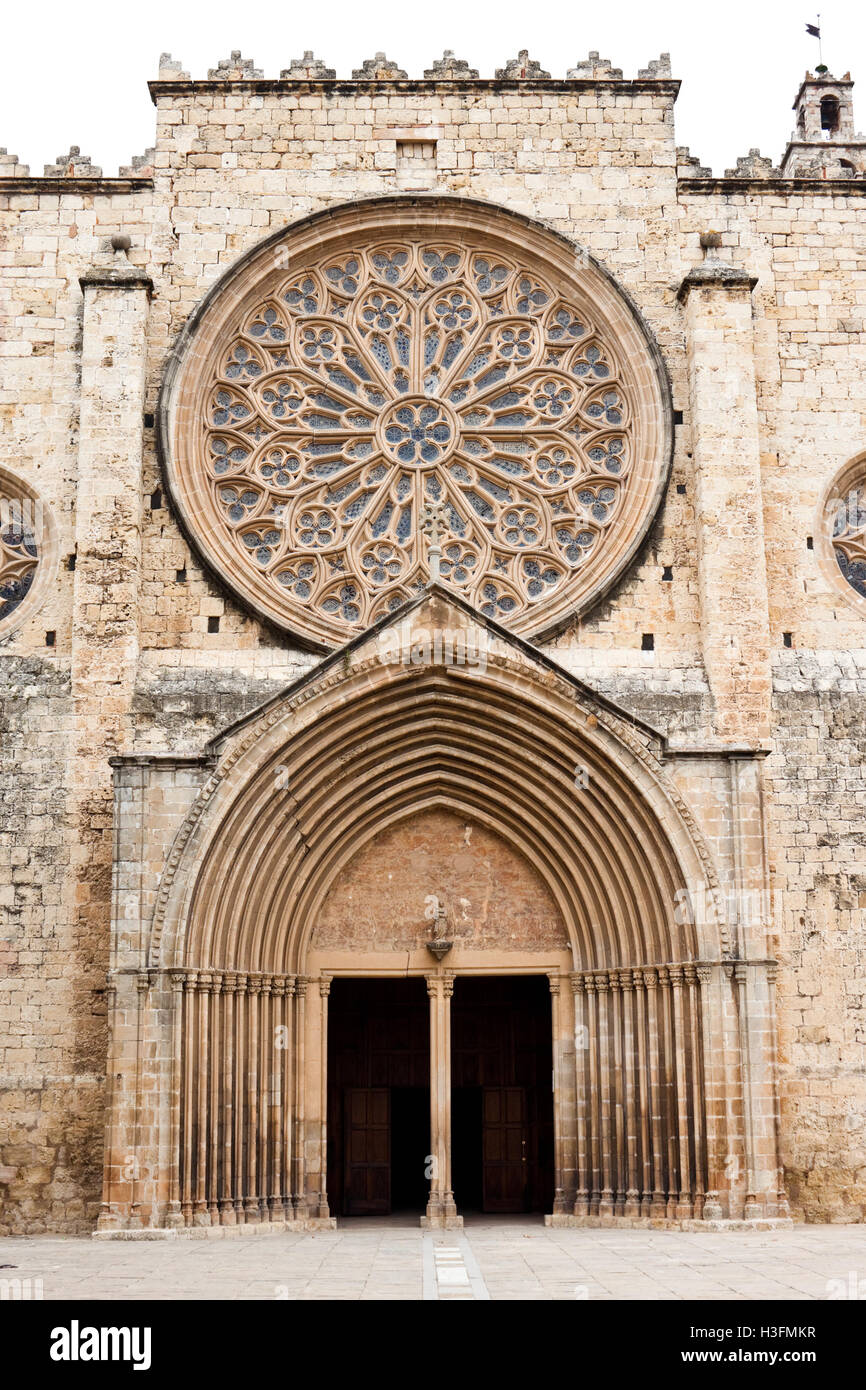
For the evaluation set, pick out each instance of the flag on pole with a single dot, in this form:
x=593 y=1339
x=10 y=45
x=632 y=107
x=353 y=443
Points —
x=814 y=30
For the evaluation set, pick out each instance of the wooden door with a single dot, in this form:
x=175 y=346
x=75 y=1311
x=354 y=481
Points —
x=367 y=1190
x=503 y=1148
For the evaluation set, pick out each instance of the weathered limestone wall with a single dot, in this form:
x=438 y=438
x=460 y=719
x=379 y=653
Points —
x=597 y=161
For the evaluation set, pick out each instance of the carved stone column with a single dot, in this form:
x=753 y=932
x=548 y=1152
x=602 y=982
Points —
x=632 y=1196
x=324 y=991
x=441 y=1210
x=300 y=1180
x=581 y=1054
x=560 y=1201
x=174 y=1217
x=229 y=1102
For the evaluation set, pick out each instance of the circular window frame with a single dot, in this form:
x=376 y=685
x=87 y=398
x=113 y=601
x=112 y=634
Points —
x=12 y=482
x=852 y=473
x=186 y=382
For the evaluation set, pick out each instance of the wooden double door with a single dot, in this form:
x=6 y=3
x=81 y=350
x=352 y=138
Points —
x=379 y=1096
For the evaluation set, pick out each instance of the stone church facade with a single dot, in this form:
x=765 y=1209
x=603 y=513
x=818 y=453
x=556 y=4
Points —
x=432 y=598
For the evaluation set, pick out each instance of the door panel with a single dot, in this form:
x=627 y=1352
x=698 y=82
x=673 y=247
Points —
x=503 y=1148
x=368 y=1151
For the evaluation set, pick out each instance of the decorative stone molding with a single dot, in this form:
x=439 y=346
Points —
x=338 y=698
x=718 y=275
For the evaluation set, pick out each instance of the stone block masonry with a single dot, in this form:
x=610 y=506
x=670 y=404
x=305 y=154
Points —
x=726 y=632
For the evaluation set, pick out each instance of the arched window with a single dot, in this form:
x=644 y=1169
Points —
x=830 y=114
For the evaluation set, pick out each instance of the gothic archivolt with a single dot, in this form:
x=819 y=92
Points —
x=394 y=356
x=315 y=787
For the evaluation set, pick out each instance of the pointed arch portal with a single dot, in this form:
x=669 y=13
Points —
x=437 y=803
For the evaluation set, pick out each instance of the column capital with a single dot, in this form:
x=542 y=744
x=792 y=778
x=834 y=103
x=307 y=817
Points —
x=116 y=277
x=716 y=275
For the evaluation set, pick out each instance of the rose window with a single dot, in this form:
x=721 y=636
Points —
x=21 y=547
x=345 y=392
x=849 y=537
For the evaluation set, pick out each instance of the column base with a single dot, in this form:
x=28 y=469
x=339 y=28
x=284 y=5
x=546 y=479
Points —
x=668 y=1223
x=442 y=1221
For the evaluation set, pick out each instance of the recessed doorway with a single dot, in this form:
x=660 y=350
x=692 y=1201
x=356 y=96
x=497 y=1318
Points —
x=378 y=1096
x=502 y=1154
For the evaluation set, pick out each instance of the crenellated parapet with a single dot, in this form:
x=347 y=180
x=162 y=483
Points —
x=309 y=66
x=450 y=69
x=522 y=67
x=73 y=165
x=657 y=67
x=10 y=165
x=171 y=69
x=594 y=66
x=235 y=68
x=753 y=165
x=377 y=69
x=141 y=165
x=689 y=166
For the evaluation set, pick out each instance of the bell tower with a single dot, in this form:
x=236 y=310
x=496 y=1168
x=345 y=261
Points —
x=824 y=143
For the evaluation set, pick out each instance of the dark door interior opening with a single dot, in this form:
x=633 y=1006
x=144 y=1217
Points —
x=502 y=1094
x=378 y=1096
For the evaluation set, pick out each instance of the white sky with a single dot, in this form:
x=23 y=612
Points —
x=76 y=73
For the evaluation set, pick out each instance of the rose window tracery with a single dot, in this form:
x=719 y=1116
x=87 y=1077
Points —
x=19 y=551
x=347 y=392
x=849 y=537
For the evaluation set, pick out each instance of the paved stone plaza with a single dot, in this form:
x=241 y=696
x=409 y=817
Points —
x=493 y=1258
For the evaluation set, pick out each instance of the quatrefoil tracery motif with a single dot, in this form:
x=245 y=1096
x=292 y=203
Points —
x=396 y=374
